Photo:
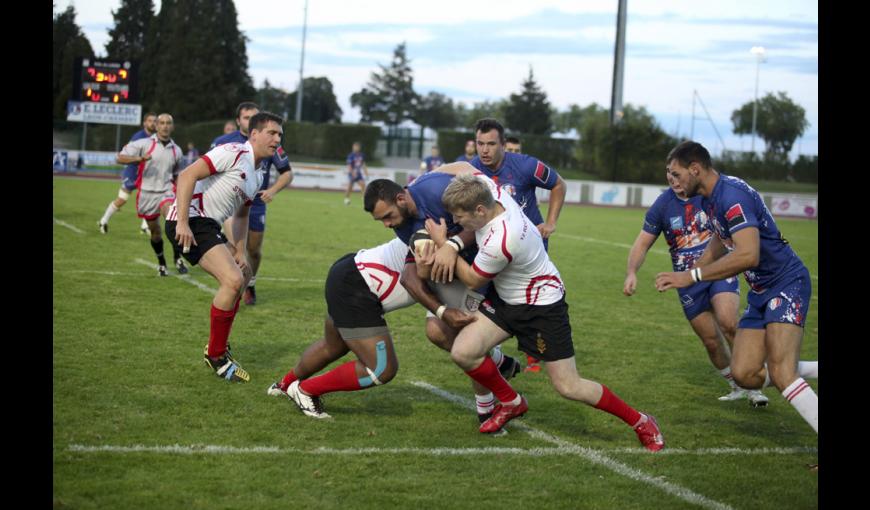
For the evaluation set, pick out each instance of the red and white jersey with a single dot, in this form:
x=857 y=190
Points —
x=155 y=174
x=233 y=183
x=511 y=251
x=381 y=268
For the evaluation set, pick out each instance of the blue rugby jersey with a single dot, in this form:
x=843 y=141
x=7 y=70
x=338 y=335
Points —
x=519 y=175
x=685 y=225
x=734 y=205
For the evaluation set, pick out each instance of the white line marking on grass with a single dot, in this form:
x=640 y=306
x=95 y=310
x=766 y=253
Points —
x=67 y=225
x=594 y=456
x=435 y=452
x=183 y=277
x=277 y=279
x=88 y=271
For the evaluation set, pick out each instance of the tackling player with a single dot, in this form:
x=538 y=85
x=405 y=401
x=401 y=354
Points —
x=527 y=300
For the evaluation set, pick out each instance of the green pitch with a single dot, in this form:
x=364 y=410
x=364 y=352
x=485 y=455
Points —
x=141 y=422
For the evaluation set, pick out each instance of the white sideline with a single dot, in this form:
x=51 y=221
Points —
x=594 y=456
x=67 y=225
x=183 y=277
x=121 y=273
x=435 y=452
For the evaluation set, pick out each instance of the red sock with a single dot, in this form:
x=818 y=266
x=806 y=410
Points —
x=287 y=380
x=531 y=359
x=614 y=405
x=340 y=378
x=487 y=374
x=221 y=323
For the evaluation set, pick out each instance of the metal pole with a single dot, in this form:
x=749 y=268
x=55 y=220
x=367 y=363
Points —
x=301 y=65
x=618 y=66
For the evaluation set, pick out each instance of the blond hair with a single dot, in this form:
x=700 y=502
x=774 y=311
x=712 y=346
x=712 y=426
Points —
x=465 y=192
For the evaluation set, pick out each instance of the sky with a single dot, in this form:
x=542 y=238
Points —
x=679 y=53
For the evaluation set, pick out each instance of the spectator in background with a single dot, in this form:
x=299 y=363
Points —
x=192 y=154
x=357 y=171
x=469 y=152
x=431 y=162
x=512 y=144
x=229 y=127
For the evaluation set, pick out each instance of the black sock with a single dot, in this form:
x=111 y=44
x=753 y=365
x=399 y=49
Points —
x=157 y=246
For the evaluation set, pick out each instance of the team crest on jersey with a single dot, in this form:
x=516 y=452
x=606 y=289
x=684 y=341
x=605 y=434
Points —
x=735 y=216
x=775 y=302
x=472 y=303
x=676 y=222
x=488 y=306
x=542 y=172
x=540 y=343
x=509 y=189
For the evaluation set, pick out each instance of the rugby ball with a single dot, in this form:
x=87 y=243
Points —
x=420 y=240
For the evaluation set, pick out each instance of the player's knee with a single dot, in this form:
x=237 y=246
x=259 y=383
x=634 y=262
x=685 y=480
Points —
x=711 y=343
x=436 y=334
x=728 y=328
x=781 y=374
x=235 y=280
x=123 y=196
x=746 y=377
x=464 y=354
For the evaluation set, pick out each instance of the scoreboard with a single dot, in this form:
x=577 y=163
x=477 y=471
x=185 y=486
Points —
x=99 y=80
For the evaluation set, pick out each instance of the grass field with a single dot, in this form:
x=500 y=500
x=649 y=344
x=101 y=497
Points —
x=141 y=422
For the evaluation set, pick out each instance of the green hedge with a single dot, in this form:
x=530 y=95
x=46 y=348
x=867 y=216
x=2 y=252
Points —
x=325 y=141
x=749 y=166
x=556 y=152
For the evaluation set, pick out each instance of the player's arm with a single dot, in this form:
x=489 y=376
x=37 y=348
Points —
x=240 y=235
x=284 y=179
x=636 y=256
x=714 y=251
x=745 y=255
x=131 y=154
x=183 y=194
x=448 y=252
x=420 y=291
x=456 y=168
x=554 y=207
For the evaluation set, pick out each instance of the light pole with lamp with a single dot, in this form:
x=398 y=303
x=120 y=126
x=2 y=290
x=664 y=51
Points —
x=758 y=51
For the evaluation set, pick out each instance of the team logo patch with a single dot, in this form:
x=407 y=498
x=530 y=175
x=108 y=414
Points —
x=774 y=303
x=472 y=303
x=542 y=172
x=488 y=306
x=676 y=222
x=735 y=216
x=687 y=300
x=540 y=344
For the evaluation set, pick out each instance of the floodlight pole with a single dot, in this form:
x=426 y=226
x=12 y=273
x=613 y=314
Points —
x=301 y=66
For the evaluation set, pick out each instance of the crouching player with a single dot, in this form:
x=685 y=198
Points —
x=360 y=288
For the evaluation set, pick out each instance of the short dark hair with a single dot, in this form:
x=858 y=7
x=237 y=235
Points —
x=245 y=105
x=149 y=114
x=380 y=189
x=512 y=139
x=487 y=125
x=689 y=152
x=260 y=120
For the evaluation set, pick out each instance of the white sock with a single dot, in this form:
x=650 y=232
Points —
x=808 y=369
x=766 y=377
x=726 y=373
x=485 y=403
x=496 y=355
x=804 y=399
x=253 y=281
x=109 y=212
x=144 y=224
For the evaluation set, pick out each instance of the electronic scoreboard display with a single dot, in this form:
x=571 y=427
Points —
x=98 y=80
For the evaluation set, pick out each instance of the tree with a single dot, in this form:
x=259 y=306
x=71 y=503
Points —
x=389 y=95
x=272 y=99
x=529 y=111
x=196 y=66
x=484 y=109
x=129 y=37
x=436 y=111
x=68 y=42
x=631 y=151
x=779 y=122
x=319 y=103
x=574 y=117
